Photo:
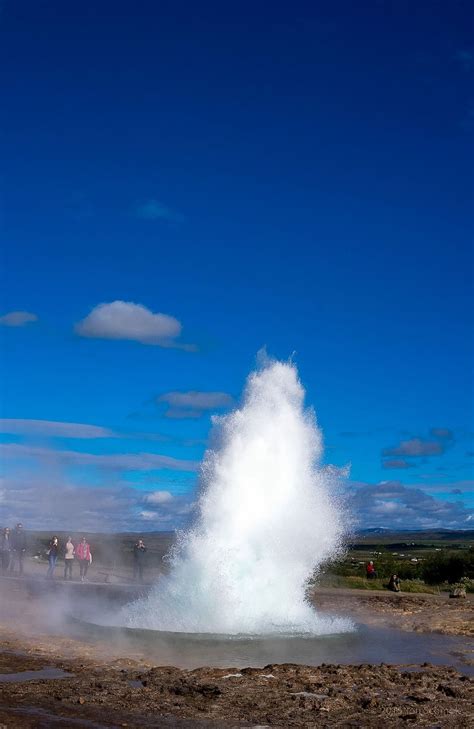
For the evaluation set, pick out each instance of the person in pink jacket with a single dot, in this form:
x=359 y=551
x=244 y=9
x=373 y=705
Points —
x=84 y=556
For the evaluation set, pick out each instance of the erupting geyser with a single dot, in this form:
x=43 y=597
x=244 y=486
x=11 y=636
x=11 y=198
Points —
x=266 y=520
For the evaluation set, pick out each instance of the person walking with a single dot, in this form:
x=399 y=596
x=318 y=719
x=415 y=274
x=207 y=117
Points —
x=84 y=555
x=18 y=549
x=69 y=552
x=139 y=551
x=5 y=549
x=53 y=552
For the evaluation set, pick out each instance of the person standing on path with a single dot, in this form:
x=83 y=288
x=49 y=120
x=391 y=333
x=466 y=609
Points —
x=6 y=549
x=83 y=554
x=139 y=551
x=18 y=548
x=53 y=552
x=68 y=558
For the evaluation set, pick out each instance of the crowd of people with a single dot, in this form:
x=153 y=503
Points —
x=13 y=553
x=80 y=553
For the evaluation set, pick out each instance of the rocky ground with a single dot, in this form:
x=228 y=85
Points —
x=104 y=689
x=422 y=613
x=120 y=695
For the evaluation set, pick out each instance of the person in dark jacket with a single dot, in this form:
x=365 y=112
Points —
x=139 y=551
x=53 y=553
x=394 y=583
x=5 y=549
x=18 y=549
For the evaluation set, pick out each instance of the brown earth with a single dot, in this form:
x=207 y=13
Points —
x=285 y=695
x=419 y=612
x=109 y=690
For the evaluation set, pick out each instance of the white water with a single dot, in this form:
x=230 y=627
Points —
x=266 y=520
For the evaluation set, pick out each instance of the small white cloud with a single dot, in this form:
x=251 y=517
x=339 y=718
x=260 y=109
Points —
x=193 y=404
x=197 y=400
x=17 y=318
x=159 y=497
x=127 y=320
x=386 y=507
x=415 y=447
x=148 y=515
x=397 y=463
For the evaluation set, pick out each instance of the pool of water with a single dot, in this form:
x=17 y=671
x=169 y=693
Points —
x=45 y=674
x=364 y=645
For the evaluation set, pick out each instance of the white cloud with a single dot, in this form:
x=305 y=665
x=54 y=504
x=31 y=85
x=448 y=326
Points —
x=54 y=503
x=119 y=461
x=197 y=400
x=17 y=318
x=397 y=463
x=148 y=515
x=53 y=429
x=393 y=505
x=159 y=497
x=127 y=320
x=415 y=447
x=193 y=404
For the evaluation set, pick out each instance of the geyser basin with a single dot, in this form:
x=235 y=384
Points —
x=267 y=518
x=365 y=645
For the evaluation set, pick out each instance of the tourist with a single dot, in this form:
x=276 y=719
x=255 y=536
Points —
x=5 y=549
x=394 y=583
x=18 y=549
x=139 y=551
x=68 y=558
x=371 y=572
x=52 y=557
x=84 y=555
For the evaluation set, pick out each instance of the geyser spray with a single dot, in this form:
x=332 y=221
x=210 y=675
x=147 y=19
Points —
x=266 y=520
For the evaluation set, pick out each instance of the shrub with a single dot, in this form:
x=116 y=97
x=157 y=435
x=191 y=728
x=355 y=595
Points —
x=449 y=568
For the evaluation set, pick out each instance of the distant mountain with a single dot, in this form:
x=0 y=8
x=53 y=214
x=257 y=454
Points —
x=373 y=530
x=417 y=534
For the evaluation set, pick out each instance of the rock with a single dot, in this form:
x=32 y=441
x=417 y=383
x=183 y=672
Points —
x=448 y=690
x=458 y=592
x=209 y=690
x=419 y=698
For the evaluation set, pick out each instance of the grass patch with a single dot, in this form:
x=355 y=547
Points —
x=361 y=583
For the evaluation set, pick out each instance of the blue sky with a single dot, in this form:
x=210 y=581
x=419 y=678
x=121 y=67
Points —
x=298 y=178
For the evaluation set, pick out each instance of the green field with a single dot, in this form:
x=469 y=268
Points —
x=425 y=561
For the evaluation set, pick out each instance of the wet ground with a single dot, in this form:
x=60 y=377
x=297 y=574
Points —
x=285 y=695
x=113 y=684
x=366 y=644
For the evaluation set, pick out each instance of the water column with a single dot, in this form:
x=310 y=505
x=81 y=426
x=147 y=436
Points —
x=267 y=518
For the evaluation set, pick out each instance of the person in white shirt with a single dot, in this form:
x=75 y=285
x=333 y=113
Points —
x=69 y=553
